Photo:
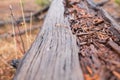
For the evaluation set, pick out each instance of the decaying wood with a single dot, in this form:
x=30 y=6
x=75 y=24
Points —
x=106 y=16
x=54 y=54
x=97 y=59
x=112 y=21
x=114 y=46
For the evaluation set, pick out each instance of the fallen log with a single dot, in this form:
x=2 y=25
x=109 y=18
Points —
x=54 y=54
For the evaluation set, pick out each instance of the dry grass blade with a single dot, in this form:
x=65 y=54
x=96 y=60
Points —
x=23 y=15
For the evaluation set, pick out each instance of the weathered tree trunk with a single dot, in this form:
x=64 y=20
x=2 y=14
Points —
x=54 y=54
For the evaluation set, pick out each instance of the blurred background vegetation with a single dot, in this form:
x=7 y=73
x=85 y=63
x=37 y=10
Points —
x=42 y=2
x=118 y=2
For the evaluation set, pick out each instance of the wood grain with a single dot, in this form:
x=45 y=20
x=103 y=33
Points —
x=54 y=54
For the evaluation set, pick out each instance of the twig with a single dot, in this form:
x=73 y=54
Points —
x=24 y=22
x=13 y=28
x=82 y=43
x=27 y=18
x=41 y=11
x=14 y=23
x=7 y=35
x=82 y=34
x=30 y=26
x=116 y=74
x=2 y=60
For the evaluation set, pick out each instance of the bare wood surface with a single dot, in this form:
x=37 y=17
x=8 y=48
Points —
x=54 y=54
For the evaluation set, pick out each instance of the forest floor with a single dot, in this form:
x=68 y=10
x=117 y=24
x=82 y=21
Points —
x=9 y=48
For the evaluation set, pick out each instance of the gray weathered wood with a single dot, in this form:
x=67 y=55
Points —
x=54 y=54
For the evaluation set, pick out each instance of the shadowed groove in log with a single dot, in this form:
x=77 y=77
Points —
x=54 y=54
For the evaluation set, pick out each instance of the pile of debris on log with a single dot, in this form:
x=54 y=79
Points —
x=98 y=40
